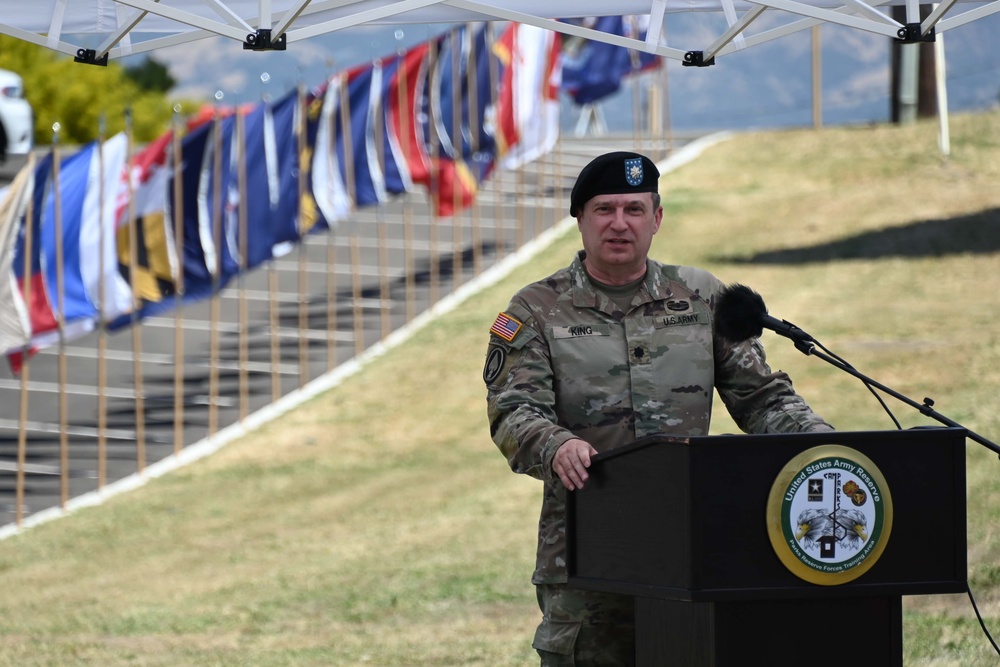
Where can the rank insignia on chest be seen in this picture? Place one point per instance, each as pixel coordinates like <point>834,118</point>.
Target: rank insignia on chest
<point>506,327</point>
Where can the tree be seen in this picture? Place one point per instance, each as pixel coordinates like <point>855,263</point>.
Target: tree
<point>151,75</point>
<point>76,95</point>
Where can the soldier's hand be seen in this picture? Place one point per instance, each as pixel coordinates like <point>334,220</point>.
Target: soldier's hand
<point>571,462</point>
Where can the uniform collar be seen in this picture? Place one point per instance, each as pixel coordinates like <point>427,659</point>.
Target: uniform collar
<point>585,294</point>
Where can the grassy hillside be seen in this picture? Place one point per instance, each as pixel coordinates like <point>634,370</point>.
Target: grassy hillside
<point>378,524</point>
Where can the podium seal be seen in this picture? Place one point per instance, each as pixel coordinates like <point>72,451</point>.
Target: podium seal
<point>829,515</point>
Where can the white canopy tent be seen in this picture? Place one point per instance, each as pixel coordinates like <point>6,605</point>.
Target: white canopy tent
<point>95,30</point>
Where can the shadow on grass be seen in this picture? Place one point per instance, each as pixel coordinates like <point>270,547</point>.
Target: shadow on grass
<point>976,234</point>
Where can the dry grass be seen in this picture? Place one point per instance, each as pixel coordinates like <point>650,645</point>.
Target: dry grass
<point>378,524</point>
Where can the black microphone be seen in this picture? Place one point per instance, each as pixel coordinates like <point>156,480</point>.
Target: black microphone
<point>740,314</point>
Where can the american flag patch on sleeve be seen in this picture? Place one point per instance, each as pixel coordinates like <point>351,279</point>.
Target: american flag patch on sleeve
<point>506,327</point>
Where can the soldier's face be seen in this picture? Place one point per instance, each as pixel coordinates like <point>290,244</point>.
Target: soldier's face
<point>617,231</point>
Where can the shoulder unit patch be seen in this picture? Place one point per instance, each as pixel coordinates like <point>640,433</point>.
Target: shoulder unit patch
<point>495,360</point>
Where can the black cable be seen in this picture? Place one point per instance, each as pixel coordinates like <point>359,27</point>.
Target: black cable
<point>870,388</point>
<point>982,623</point>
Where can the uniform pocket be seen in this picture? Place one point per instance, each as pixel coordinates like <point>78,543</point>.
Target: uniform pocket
<point>556,637</point>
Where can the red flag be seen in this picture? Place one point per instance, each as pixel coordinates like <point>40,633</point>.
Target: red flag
<point>40,312</point>
<point>456,186</point>
<point>401,110</point>
<point>506,132</point>
<point>411,109</point>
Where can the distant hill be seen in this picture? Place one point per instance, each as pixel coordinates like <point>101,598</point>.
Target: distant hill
<point>768,85</point>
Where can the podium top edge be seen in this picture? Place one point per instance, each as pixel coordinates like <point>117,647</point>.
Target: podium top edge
<point>812,438</point>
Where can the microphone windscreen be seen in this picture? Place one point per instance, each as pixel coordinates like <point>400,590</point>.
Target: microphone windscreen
<point>739,313</point>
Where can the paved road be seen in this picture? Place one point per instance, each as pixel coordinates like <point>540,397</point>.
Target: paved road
<point>266,334</point>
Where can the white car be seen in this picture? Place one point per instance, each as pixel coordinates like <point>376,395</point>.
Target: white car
<point>16,119</point>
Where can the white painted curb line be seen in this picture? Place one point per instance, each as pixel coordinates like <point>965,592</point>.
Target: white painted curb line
<point>297,397</point>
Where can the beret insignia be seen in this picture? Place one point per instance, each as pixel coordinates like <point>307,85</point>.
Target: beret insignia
<point>633,171</point>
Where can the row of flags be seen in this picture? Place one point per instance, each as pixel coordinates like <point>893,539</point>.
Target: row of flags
<point>107,237</point>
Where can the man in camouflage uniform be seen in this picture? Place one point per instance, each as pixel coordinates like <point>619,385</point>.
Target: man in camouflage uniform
<point>609,350</point>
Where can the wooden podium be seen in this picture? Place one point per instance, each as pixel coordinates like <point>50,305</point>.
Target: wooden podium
<point>682,524</point>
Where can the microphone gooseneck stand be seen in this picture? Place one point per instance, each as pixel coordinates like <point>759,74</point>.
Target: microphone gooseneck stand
<point>807,345</point>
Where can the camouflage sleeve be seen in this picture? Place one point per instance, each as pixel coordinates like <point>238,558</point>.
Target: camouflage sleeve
<point>759,399</point>
<point>521,397</point>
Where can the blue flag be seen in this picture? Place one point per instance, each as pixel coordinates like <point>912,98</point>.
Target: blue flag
<point>200,262</point>
<point>74,174</point>
<point>593,70</point>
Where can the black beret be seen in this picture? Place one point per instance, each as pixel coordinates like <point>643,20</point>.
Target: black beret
<point>614,174</point>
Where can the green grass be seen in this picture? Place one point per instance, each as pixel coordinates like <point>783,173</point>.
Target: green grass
<point>378,525</point>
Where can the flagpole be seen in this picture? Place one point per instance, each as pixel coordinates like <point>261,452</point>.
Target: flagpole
<point>535,179</point>
<point>474,126</point>
<point>61,323</point>
<point>359,329</point>
<point>215,305</point>
<point>403,104</point>
<point>548,212</point>
<point>380,225</point>
<point>102,341</point>
<point>383,272</point>
<point>273,320</point>
<point>133,253</point>
<point>519,232</point>
<point>520,215</point>
<point>653,117</point>
<point>178,286</point>
<point>331,256</point>
<point>668,121</point>
<point>630,27</point>
<point>941,87</point>
<point>331,300</point>
<point>499,223</point>
<point>557,189</point>
<point>22,432</point>
<point>244,352</point>
<point>352,189</point>
<point>303,246</point>
<point>435,180</point>
<point>637,125</point>
<point>458,37</point>
<point>539,185</point>
<point>273,333</point>
<point>345,124</point>
<point>817,79</point>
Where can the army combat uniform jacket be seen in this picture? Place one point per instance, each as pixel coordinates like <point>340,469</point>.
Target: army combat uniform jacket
<point>565,362</point>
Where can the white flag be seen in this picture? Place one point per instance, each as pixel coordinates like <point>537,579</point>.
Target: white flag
<point>15,327</point>
<point>537,74</point>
